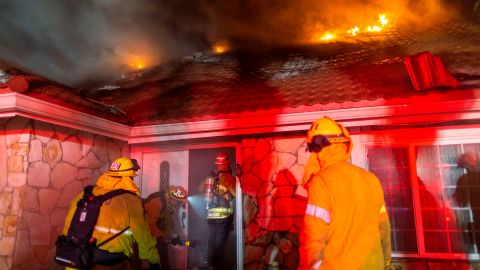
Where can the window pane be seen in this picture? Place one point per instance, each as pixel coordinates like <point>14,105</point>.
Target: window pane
<point>404,241</point>
<point>401,178</point>
<point>462,242</point>
<point>452,174</point>
<point>463,218</point>
<point>450,154</point>
<point>377,158</point>
<point>447,205</point>
<point>426,156</point>
<point>427,200</point>
<point>435,242</point>
<point>391,166</point>
<point>433,219</point>
<point>428,176</point>
<point>471,148</point>
<point>402,218</point>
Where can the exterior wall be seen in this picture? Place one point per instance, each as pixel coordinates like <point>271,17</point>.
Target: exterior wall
<point>273,200</point>
<point>273,205</point>
<point>42,166</point>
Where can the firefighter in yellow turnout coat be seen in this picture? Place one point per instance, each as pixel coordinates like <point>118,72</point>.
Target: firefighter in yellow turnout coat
<point>346,225</point>
<point>120,212</point>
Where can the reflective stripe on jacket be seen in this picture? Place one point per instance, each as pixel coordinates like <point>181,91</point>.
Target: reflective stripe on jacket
<point>222,205</point>
<point>219,212</point>
<point>345,224</point>
<point>115,215</point>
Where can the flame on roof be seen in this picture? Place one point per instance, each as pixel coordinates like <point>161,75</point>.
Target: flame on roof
<point>333,35</point>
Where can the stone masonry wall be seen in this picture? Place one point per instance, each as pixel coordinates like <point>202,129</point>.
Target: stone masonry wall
<point>273,200</point>
<point>42,167</point>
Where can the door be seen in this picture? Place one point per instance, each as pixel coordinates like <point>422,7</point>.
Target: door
<point>201,164</point>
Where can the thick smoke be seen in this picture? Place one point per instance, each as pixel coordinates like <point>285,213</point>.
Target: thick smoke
<point>80,42</point>
<point>77,42</point>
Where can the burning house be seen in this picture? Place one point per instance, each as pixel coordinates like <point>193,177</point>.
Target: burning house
<point>409,96</point>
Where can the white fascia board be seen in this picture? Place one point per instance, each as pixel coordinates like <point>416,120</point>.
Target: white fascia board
<point>12,104</point>
<point>417,113</point>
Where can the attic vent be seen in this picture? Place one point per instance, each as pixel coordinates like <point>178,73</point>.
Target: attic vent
<point>427,71</point>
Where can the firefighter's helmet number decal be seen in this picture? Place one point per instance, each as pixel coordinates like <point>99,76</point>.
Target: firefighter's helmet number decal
<point>115,166</point>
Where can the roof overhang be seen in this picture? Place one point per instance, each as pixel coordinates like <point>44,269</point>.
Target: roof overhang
<point>12,104</point>
<point>405,114</point>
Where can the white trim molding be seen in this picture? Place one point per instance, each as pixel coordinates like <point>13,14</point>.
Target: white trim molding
<point>418,113</point>
<point>14,104</point>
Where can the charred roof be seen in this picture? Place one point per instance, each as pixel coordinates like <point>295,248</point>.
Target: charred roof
<point>306,78</point>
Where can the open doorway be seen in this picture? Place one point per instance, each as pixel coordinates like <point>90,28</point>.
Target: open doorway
<point>201,165</point>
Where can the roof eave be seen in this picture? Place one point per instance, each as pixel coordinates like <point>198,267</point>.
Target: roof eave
<point>14,104</point>
<point>403,114</point>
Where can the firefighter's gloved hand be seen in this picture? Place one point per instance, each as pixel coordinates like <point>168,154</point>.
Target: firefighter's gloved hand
<point>154,266</point>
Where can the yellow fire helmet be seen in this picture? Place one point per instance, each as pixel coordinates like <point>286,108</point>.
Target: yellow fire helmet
<point>333,131</point>
<point>123,167</point>
<point>178,193</point>
<point>325,131</point>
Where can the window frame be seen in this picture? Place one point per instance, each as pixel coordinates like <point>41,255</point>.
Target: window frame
<point>411,138</point>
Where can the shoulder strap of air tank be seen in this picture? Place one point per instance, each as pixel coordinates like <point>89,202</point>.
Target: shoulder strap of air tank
<point>111,194</point>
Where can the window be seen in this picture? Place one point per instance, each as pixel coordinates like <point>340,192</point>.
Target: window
<point>391,166</point>
<point>433,204</point>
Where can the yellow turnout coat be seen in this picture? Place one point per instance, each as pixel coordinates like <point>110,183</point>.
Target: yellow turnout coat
<point>346,225</point>
<point>115,215</point>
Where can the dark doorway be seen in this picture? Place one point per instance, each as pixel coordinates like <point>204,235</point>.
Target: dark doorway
<point>201,164</point>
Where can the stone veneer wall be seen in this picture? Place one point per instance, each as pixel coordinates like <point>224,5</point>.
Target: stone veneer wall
<point>273,210</point>
<point>42,166</point>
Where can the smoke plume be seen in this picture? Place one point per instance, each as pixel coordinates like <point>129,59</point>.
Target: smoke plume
<point>80,42</point>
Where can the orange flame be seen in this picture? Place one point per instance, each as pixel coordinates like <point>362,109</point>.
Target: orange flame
<point>220,47</point>
<point>354,31</point>
<point>323,37</point>
<point>329,36</point>
<point>382,19</point>
<point>136,62</point>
